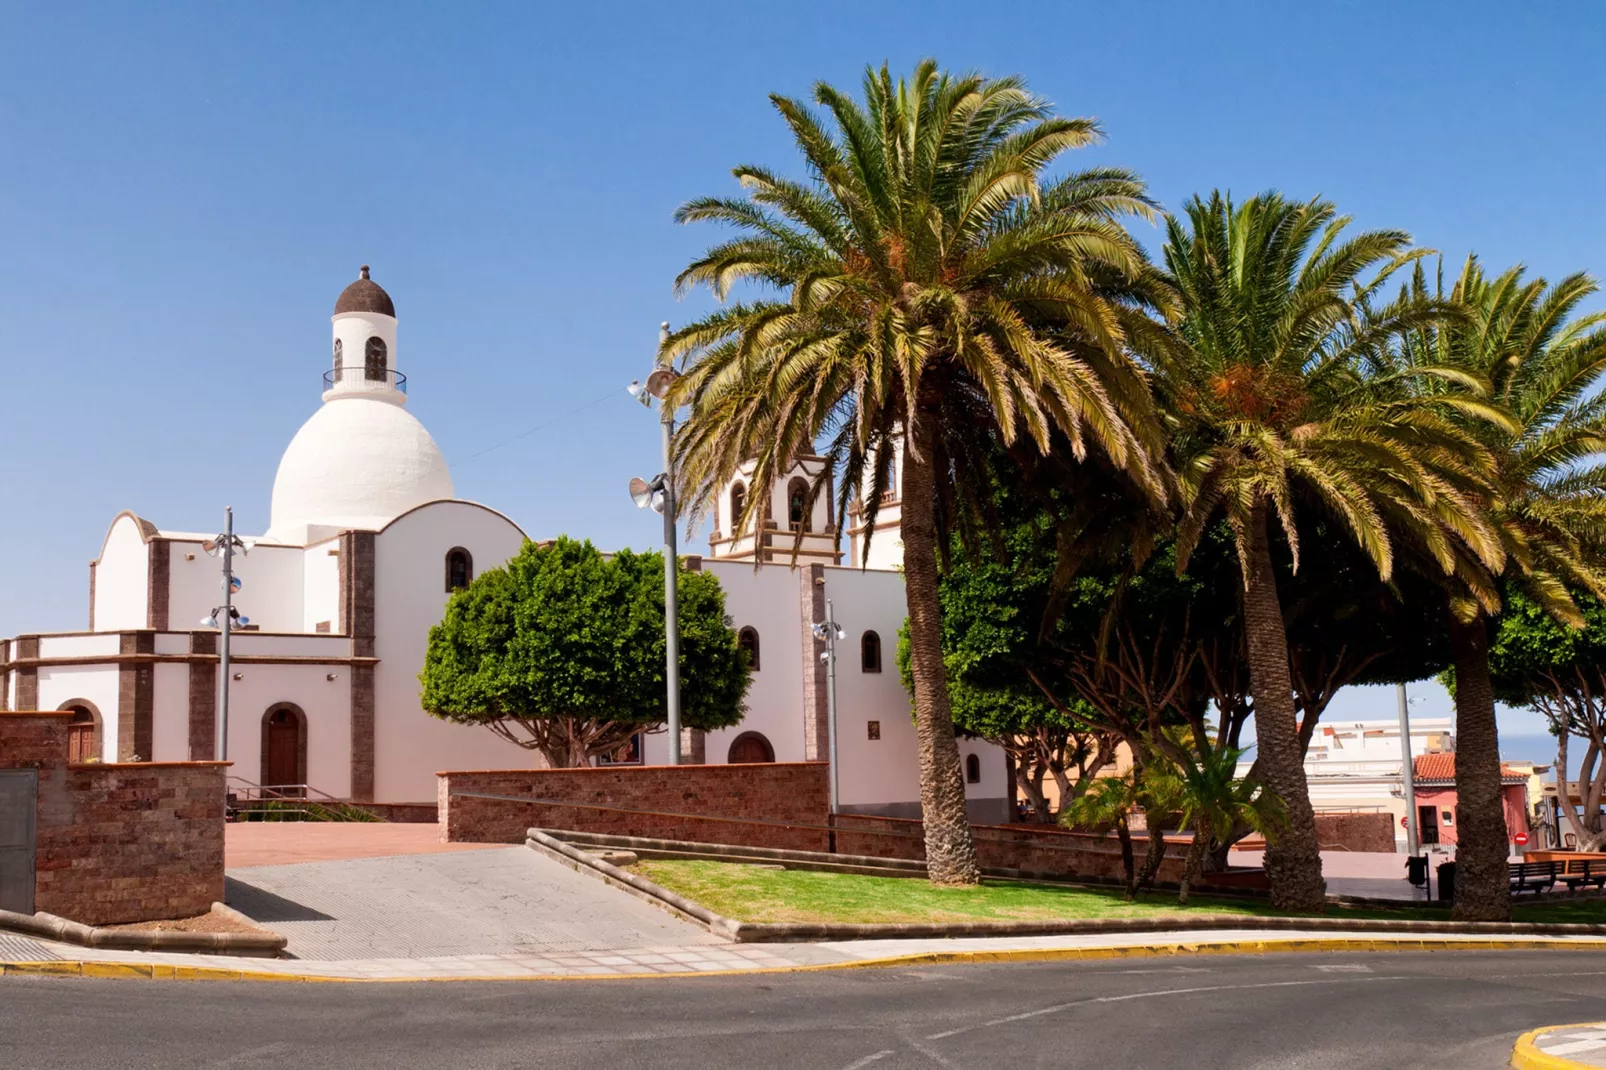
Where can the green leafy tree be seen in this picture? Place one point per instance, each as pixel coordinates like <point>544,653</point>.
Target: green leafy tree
<point>1273,406</point>
<point>561,650</point>
<point>937,295</point>
<point>1542,363</point>
<point>1539,663</point>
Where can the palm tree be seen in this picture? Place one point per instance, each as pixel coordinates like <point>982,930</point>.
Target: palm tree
<point>938,297</point>
<point>1544,368</point>
<point>1275,403</point>
<point>1212,802</point>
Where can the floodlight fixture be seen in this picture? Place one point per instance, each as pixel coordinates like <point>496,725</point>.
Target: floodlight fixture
<point>209,622</point>
<point>659,382</point>
<point>648,495</point>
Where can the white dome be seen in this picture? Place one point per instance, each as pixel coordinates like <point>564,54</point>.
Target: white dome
<point>359,462</point>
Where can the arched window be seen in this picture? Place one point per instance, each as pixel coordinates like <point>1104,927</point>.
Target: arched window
<point>738,506</point>
<point>459,569</point>
<point>340,359</point>
<point>750,748</point>
<point>83,731</point>
<point>797,504</point>
<point>284,749</point>
<point>972,769</point>
<point>747,639</point>
<point>870,652</point>
<point>374,360</point>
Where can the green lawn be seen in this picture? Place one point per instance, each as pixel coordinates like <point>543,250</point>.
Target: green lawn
<point>759,894</point>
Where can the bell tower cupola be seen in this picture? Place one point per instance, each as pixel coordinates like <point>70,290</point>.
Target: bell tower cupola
<point>364,362</point>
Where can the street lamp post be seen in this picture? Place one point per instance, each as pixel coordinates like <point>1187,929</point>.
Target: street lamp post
<point>223,618</point>
<point>830,631</point>
<point>1407,772</point>
<point>659,495</point>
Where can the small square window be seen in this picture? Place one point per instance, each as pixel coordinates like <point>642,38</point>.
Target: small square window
<point>875,729</point>
<point>1446,817</point>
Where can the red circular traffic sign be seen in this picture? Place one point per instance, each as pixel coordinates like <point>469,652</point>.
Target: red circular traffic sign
<point>1405,822</point>
<point>1522,839</point>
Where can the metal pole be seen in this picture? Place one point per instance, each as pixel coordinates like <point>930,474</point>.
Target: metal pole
<point>1406,774</point>
<point>671,575</point>
<point>830,693</point>
<point>223,650</point>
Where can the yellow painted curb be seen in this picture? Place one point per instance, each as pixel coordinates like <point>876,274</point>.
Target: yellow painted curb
<point>161,972</point>
<point>1527,1056</point>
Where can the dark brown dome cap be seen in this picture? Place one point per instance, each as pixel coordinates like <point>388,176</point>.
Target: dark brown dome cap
<point>365,295</point>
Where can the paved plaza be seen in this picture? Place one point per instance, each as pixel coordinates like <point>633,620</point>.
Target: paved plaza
<point>501,901</point>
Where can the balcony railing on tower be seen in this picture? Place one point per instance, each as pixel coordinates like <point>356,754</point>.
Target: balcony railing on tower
<point>371,378</point>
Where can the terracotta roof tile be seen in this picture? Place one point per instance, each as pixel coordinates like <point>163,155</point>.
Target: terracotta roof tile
<point>1441,767</point>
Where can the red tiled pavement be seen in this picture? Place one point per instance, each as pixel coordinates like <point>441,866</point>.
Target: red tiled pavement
<point>257,843</point>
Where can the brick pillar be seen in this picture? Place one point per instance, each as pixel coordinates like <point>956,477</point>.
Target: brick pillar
<point>203,698</point>
<point>816,711</point>
<point>92,569</point>
<point>357,618</point>
<point>693,746</point>
<point>136,697</point>
<point>27,675</point>
<point>158,575</point>
<point>5,674</point>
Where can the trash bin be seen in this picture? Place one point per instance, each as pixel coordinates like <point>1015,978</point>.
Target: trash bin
<point>1447,882</point>
<point>1416,870</point>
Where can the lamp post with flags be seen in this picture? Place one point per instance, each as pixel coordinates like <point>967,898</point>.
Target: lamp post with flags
<point>658,494</point>
<point>224,618</point>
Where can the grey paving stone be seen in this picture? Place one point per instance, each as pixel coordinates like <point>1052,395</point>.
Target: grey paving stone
<point>496,902</point>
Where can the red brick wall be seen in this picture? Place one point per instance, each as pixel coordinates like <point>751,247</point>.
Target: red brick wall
<point>784,792</point>
<point>1356,832</point>
<point>1037,850</point>
<point>120,842</point>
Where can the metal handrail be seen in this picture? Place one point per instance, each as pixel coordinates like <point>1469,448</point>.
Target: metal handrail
<point>357,373</point>
<point>254,792</point>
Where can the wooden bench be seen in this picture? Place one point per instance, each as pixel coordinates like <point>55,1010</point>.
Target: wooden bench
<point>1531,876</point>
<point>1583,873</point>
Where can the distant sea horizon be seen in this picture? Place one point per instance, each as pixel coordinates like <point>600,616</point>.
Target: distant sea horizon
<point>1540,748</point>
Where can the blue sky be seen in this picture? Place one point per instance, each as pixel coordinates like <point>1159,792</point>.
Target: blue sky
<point>186,187</point>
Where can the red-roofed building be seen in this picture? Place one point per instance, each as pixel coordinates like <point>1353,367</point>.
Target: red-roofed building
<point>1434,778</point>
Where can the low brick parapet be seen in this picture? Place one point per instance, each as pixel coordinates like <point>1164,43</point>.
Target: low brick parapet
<point>684,802</point>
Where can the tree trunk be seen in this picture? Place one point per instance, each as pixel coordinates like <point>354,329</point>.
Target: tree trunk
<point>1155,854</point>
<point>1031,785</point>
<point>1482,840</point>
<point>1190,869</point>
<point>1293,859</point>
<point>1129,869</point>
<point>950,852</point>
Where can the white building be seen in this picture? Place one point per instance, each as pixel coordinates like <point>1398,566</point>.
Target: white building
<point>365,544</point>
<point>1356,766</point>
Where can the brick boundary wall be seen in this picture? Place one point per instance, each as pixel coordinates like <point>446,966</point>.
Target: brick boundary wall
<point>1347,831</point>
<point>1036,850</point>
<point>118,842</point>
<point>779,791</point>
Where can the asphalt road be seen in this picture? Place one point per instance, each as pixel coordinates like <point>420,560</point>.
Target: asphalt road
<point>1446,1009</point>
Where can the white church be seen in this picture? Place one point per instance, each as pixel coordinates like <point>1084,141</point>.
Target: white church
<point>366,542</point>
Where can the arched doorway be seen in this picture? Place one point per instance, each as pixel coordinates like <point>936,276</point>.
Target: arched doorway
<point>83,731</point>
<point>284,747</point>
<point>750,748</point>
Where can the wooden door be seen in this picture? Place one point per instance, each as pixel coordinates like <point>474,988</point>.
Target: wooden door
<point>81,737</point>
<point>749,749</point>
<point>284,749</point>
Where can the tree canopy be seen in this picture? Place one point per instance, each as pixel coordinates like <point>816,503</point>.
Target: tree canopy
<point>561,650</point>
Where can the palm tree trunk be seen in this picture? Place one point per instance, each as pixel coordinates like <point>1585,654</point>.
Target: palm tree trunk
<point>1293,858</point>
<point>1129,869</point>
<point>1190,869</point>
<point>950,852</point>
<point>1482,843</point>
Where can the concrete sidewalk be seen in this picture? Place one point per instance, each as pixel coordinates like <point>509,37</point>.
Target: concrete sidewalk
<point>33,956</point>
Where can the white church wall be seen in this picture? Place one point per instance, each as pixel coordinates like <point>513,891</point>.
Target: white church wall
<point>60,684</point>
<point>884,775</point>
<point>122,578</point>
<point>320,601</point>
<point>78,646</point>
<point>326,703</point>
<point>409,597</point>
<point>170,713</point>
<point>289,646</point>
<point>172,642</point>
<point>767,601</point>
